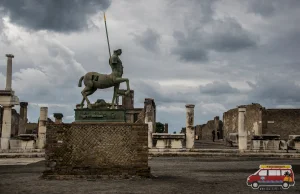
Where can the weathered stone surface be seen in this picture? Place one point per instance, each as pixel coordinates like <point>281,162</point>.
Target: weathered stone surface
<point>107,115</point>
<point>283,122</point>
<point>96,149</point>
<point>259,120</point>
<point>252,120</point>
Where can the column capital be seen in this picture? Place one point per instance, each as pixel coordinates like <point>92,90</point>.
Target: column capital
<point>58,115</point>
<point>23,104</point>
<point>10,55</point>
<point>190,106</point>
<point>242,109</point>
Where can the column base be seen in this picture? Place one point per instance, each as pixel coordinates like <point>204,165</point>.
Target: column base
<point>4,143</point>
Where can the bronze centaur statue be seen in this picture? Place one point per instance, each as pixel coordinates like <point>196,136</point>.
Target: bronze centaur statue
<point>94,80</point>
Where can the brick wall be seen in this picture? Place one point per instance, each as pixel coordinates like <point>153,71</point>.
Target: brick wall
<point>284,122</point>
<point>96,150</point>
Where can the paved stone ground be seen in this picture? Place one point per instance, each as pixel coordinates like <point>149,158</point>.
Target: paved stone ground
<point>173,175</point>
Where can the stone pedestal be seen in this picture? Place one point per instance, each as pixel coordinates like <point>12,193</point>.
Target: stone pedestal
<point>101,115</point>
<point>242,133</point>
<point>42,128</point>
<point>21,144</point>
<point>190,131</point>
<point>96,150</point>
<point>165,140</point>
<point>6,127</point>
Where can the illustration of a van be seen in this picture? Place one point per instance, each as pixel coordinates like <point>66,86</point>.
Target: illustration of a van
<point>272,175</point>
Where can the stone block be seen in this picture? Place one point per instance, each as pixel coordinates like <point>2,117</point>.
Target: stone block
<point>21,144</point>
<point>105,115</point>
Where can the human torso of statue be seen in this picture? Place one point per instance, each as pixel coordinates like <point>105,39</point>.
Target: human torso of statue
<point>116,66</point>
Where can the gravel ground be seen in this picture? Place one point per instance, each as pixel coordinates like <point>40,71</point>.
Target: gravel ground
<point>173,175</point>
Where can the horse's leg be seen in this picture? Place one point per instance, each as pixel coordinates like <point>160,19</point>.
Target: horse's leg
<point>120,80</point>
<point>116,88</point>
<point>84,93</point>
<point>87,94</point>
<point>117,94</point>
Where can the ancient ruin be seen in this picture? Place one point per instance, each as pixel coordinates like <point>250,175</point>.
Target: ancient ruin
<point>100,142</point>
<point>7,101</point>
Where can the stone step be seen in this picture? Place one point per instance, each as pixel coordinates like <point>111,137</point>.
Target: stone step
<point>23,155</point>
<point>207,155</point>
<point>22,150</point>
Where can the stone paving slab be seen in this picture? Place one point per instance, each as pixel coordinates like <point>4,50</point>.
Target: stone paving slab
<point>172,175</point>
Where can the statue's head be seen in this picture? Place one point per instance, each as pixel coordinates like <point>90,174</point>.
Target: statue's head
<point>118,52</point>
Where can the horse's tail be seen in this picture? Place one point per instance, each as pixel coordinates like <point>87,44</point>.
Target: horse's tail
<point>80,81</point>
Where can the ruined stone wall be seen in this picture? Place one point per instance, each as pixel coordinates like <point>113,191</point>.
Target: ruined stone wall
<point>283,122</point>
<point>230,122</point>
<point>198,131</point>
<point>252,120</point>
<point>96,149</point>
<point>207,130</point>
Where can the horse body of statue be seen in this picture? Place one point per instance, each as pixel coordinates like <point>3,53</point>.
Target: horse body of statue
<point>94,80</point>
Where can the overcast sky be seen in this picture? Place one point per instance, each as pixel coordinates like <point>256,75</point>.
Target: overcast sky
<point>216,54</point>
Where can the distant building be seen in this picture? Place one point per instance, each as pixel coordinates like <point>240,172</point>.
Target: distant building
<point>259,120</point>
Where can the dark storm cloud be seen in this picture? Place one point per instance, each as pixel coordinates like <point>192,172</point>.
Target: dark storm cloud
<point>149,39</point>
<point>268,8</point>
<point>54,15</point>
<point>225,36</point>
<point>218,88</point>
<point>275,89</point>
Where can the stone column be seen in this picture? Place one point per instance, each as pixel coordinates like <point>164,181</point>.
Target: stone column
<point>23,115</point>
<point>9,71</point>
<point>23,110</point>
<point>6,127</point>
<point>166,128</point>
<point>260,122</point>
<point>149,119</point>
<point>241,128</point>
<point>42,127</point>
<point>58,117</point>
<point>128,101</point>
<point>190,130</point>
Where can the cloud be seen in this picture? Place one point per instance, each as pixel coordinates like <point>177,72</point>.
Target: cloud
<point>208,52</point>
<point>225,35</point>
<point>54,15</point>
<point>277,89</point>
<point>218,88</point>
<point>149,40</point>
<point>267,8</point>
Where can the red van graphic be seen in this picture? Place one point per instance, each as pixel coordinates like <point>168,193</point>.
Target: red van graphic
<point>272,175</point>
